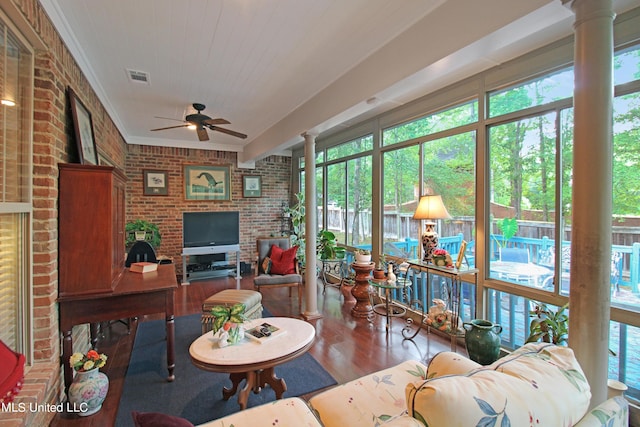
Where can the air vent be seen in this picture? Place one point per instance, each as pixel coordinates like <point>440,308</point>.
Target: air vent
<point>138,76</point>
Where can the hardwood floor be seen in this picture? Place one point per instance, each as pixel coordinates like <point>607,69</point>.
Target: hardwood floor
<point>347,347</point>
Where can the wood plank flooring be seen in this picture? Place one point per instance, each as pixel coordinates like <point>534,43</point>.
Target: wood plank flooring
<point>347,347</point>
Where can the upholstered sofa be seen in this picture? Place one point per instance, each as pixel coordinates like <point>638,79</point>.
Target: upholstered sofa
<point>537,385</point>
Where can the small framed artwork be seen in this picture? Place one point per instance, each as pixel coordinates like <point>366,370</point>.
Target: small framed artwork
<point>156,182</point>
<point>251,186</point>
<point>83,127</point>
<point>463,249</point>
<point>207,182</point>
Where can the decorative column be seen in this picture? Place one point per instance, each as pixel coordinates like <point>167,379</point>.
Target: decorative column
<point>361,290</point>
<point>310,231</point>
<point>590,296</point>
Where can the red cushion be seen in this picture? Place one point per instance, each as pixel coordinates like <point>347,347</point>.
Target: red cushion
<point>283,262</point>
<point>11,373</point>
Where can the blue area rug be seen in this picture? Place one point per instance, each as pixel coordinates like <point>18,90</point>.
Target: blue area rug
<point>196,394</point>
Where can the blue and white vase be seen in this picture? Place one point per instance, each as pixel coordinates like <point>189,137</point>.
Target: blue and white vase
<point>87,392</point>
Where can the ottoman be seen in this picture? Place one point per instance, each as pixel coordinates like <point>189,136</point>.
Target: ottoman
<point>228,297</point>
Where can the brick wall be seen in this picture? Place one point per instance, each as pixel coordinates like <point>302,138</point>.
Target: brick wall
<point>258,216</point>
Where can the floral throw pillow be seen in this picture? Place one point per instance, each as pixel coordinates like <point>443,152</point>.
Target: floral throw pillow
<point>538,385</point>
<point>266,265</point>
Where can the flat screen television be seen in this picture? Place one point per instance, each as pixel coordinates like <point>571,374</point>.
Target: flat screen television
<point>210,229</point>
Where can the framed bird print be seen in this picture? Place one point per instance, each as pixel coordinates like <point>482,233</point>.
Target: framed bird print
<point>251,186</point>
<point>155,182</point>
<point>207,182</point>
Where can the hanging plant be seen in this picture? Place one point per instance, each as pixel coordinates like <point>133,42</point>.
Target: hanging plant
<point>152,233</point>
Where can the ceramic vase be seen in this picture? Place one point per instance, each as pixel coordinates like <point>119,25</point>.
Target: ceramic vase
<point>87,391</point>
<point>346,292</point>
<point>236,334</point>
<point>391,276</point>
<point>482,340</point>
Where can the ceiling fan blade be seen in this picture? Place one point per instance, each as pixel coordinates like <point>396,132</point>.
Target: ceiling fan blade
<point>229,132</point>
<point>171,127</point>
<point>202,134</point>
<point>218,121</point>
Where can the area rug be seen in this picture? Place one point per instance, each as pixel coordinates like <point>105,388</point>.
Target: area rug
<point>196,394</point>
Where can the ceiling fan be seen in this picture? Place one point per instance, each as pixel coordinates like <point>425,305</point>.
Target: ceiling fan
<point>202,121</point>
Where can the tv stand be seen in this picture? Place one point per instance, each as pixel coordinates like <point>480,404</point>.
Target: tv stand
<point>207,250</point>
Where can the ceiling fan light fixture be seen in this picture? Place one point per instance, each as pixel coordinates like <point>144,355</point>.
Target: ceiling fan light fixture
<point>192,126</point>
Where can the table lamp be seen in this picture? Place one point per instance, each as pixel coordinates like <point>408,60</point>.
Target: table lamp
<point>429,208</point>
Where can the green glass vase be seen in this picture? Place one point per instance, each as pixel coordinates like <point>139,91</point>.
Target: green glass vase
<point>482,339</point>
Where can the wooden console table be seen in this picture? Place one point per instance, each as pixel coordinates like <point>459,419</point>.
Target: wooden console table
<point>453,290</point>
<point>134,295</point>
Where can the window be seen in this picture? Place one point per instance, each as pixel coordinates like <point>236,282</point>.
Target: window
<point>15,190</point>
<point>541,91</point>
<point>522,190</point>
<point>523,176</point>
<point>443,120</point>
<point>349,201</point>
<point>401,187</point>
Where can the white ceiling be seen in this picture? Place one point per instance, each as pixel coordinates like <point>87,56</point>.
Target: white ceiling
<point>278,68</point>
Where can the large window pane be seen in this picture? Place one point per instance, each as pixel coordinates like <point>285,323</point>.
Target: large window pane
<point>522,157</point>
<point>551,87</point>
<point>400,194</point>
<point>16,79</point>
<point>443,120</point>
<point>359,202</point>
<point>626,66</point>
<point>350,148</point>
<point>626,201</point>
<point>449,170</point>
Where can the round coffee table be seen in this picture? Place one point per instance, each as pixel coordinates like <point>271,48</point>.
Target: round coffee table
<point>254,361</point>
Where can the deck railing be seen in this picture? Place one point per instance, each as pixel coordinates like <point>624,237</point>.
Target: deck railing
<point>625,260</point>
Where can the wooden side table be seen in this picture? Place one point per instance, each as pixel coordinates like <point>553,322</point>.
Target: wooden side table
<point>362,289</point>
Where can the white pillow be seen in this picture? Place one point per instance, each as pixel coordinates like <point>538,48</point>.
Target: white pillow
<point>540,385</point>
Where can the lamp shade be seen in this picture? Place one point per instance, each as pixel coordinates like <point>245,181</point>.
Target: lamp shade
<point>431,207</point>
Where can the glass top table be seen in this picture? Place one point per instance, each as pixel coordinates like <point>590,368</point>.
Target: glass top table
<point>390,308</point>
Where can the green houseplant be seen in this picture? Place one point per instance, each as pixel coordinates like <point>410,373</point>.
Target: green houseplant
<point>298,216</point>
<point>151,232</point>
<point>327,247</point>
<point>548,325</point>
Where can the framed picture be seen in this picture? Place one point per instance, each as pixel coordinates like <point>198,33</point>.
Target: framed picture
<point>207,182</point>
<point>83,127</point>
<point>251,186</point>
<point>463,249</point>
<point>156,182</point>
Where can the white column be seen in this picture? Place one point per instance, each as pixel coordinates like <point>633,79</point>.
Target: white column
<point>590,298</point>
<point>310,310</point>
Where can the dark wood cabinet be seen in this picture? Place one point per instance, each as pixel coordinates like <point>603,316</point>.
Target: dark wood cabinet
<point>93,283</point>
<point>91,229</point>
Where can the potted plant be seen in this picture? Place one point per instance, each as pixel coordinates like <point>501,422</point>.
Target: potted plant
<point>363,256</point>
<point>141,229</point>
<point>297,215</point>
<point>328,246</point>
<point>379,271</point>
<point>548,325</point>
<point>227,323</point>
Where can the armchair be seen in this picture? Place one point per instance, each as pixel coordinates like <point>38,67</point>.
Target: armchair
<point>278,266</point>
